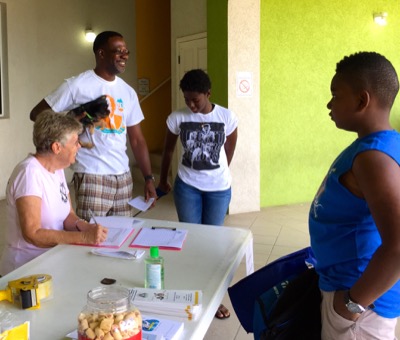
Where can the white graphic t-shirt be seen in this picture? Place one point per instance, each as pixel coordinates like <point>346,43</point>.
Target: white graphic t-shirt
<point>109,156</point>
<point>203,163</point>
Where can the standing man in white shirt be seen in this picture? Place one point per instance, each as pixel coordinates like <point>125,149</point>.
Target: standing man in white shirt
<point>102,177</point>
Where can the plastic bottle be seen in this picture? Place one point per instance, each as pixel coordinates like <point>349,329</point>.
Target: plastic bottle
<point>154,270</point>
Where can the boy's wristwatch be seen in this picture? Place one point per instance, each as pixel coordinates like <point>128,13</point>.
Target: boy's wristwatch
<point>354,307</point>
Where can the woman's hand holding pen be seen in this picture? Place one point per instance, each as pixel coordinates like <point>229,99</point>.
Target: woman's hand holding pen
<point>95,235</point>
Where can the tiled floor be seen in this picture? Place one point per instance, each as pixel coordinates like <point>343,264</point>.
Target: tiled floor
<point>277,231</point>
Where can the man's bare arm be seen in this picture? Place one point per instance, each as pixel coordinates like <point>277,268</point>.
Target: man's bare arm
<point>39,108</point>
<point>377,177</point>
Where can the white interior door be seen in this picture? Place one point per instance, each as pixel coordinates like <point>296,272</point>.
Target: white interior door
<point>191,53</point>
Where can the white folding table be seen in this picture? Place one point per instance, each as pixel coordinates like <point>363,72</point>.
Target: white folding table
<point>208,260</point>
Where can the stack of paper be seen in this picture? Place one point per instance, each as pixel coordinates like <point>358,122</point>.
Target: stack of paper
<point>119,254</point>
<point>181,303</point>
<point>154,328</point>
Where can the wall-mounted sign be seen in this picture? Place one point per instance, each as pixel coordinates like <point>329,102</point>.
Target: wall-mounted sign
<point>143,87</point>
<point>244,84</point>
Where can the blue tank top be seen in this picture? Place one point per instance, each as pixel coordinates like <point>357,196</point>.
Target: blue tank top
<point>343,233</point>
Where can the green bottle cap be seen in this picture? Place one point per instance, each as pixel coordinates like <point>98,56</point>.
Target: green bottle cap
<point>154,252</point>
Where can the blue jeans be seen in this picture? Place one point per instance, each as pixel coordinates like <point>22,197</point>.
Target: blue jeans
<point>201,207</point>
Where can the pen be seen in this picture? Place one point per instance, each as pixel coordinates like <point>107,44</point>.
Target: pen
<point>170,228</point>
<point>92,216</point>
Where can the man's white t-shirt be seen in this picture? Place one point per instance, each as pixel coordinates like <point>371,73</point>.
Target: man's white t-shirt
<point>203,163</point>
<point>30,178</point>
<point>109,156</point>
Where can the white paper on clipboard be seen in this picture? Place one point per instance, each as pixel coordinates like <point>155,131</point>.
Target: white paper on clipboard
<point>163,237</point>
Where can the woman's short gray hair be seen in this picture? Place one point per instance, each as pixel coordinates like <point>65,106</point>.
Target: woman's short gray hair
<point>51,127</point>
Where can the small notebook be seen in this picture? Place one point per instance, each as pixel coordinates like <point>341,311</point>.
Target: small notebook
<point>163,237</point>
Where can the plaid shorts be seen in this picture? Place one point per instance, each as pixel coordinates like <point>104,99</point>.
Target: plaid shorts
<point>105,195</point>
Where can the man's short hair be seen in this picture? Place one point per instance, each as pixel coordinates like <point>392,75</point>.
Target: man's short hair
<point>372,72</point>
<point>102,39</point>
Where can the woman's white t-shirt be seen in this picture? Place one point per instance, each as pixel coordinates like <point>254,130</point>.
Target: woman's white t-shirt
<point>30,178</point>
<point>203,163</point>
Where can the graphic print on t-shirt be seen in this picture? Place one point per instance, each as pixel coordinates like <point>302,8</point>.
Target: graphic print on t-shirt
<point>63,192</point>
<point>113,123</point>
<point>202,144</point>
<point>316,205</point>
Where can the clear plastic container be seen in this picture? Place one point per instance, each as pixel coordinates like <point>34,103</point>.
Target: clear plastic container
<point>108,315</point>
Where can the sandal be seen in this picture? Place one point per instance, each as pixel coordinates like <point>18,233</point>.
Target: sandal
<point>222,312</point>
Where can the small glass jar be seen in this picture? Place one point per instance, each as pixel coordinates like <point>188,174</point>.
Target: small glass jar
<point>108,315</point>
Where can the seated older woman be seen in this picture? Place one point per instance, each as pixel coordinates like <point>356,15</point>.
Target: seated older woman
<point>39,210</point>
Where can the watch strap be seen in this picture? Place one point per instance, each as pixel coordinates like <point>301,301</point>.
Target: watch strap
<point>149,178</point>
<point>355,307</point>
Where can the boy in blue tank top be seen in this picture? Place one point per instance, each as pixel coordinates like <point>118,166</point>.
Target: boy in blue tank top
<point>354,219</point>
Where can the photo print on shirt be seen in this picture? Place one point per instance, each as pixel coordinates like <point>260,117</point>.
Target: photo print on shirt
<point>202,144</point>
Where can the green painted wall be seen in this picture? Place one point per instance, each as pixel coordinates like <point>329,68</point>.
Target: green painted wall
<point>217,49</point>
<point>301,42</point>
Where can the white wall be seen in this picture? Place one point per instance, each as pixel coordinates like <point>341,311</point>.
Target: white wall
<point>244,56</point>
<point>46,45</point>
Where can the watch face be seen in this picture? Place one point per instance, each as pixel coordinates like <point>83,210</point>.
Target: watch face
<point>354,307</point>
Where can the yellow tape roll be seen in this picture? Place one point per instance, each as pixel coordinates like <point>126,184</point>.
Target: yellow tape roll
<point>45,289</point>
<point>30,290</point>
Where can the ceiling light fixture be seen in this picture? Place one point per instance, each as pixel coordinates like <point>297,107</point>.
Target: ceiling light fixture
<point>380,18</point>
<point>90,35</point>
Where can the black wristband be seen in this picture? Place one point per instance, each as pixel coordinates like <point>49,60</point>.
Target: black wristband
<point>149,177</point>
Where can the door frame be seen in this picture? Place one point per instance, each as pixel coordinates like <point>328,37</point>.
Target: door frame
<point>179,41</point>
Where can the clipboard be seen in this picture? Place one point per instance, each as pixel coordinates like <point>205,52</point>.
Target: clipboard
<point>163,237</point>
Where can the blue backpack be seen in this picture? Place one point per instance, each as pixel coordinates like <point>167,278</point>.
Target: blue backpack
<point>263,302</point>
